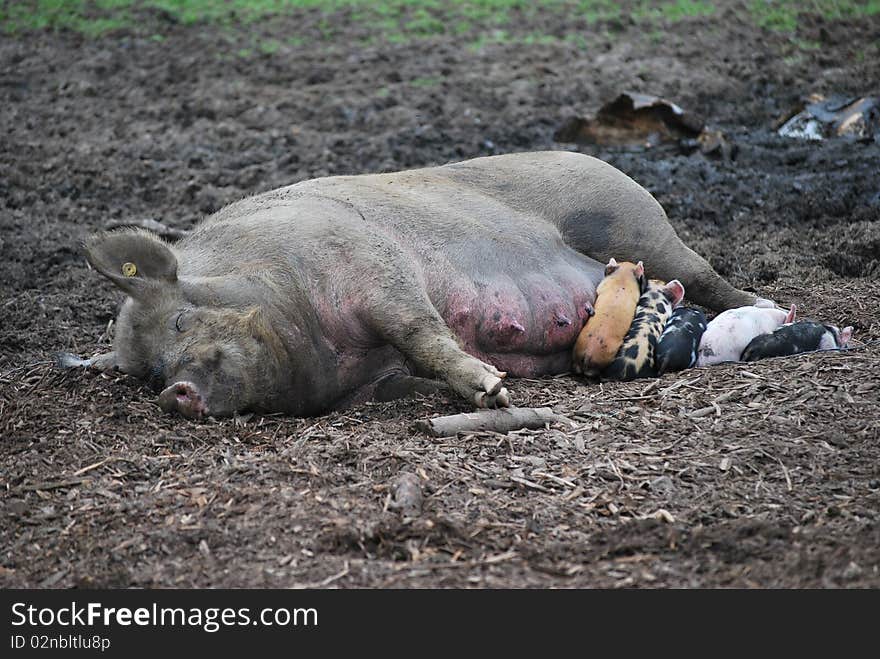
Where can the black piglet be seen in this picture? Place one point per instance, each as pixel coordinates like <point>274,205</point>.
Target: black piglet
<point>677,347</point>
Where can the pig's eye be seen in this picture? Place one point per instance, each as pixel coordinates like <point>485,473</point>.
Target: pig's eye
<point>155,376</point>
<point>183,320</point>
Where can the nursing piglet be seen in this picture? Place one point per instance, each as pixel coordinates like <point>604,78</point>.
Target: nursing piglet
<point>728,334</point>
<point>616,298</point>
<point>635,359</point>
<point>805,336</point>
<point>678,344</point>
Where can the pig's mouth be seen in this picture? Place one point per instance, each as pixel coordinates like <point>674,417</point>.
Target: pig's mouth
<point>184,397</point>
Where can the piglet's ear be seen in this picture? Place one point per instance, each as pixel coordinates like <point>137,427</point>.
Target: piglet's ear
<point>675,292</point>
<point>845,336</point>
<point>640,277</point>
<point>792,314</point>
<point>611,267</point>
<point>133,259</point>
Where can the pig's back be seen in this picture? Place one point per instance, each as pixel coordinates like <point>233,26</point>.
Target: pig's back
<point>466,211</point>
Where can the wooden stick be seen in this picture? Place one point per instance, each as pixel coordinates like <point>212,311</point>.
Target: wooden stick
<point>501,421</point>
<point>52,486</point>
<point>489,560</point>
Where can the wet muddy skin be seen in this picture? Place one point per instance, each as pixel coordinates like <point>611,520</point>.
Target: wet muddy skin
<point>763,474</point>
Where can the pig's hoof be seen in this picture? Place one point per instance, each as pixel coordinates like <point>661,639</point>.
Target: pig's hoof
<point>492,384</point>
<point>68,360</point>
<point>494,394</point>
<point>499,399</point>
<point>184,398</point>
<point>484,387</point>
<point>764,303</point>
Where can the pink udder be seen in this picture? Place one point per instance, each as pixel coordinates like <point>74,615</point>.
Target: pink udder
<point>526,329</point>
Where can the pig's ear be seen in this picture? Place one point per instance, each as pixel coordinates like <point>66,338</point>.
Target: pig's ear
<point>134,260</point>
<point>675,292</point>
<point>640,277</point>
<point>611,267</point>
<point>792,314</point>
<point>845,336</point>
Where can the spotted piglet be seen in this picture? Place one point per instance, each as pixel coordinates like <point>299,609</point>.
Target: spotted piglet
<point>805,336</point>
<point>635,359</point>
<point>678,344</point>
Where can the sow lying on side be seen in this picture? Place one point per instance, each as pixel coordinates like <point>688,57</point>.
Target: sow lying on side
<point>340,289</point>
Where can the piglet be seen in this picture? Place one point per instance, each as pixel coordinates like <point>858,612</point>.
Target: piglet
<point>678,344</point>
<point>616,299</point>
<point>636,356</point>
<point>728,334</point>
<point>805,336</point>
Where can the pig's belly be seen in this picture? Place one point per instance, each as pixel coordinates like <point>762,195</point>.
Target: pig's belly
<point>525,325</point>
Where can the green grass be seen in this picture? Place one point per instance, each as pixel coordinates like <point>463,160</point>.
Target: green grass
<point>673,11</point>
<point>427,81</point>
<point>399,21</point>
<point>269,46</point>
<point>783,15</point>
<point>806,44</point>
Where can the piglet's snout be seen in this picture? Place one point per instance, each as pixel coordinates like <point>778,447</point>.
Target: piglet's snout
<point>183,397</point>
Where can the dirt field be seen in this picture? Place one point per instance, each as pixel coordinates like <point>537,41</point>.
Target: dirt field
<point>759,475</point>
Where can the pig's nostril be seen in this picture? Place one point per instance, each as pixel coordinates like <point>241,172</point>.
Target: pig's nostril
<point>183,397</point>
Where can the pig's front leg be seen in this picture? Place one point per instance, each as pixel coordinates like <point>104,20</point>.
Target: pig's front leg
<point>477,381</point>
<point>423,337</point>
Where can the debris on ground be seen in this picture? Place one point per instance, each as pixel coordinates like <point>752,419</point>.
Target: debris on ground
<point>819,118</point>
<point>642,120</point>
<point>406,495</point>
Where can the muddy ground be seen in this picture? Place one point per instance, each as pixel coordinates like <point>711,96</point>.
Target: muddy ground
<point>764,475</point>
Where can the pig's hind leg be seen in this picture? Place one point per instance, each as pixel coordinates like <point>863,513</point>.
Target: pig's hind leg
<point>392,386</point>
<point>635,228</point>
<point>104,362</point>
<point>400,385</point>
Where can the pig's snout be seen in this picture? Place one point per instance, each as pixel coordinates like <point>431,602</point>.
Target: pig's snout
<point>183,397</point>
